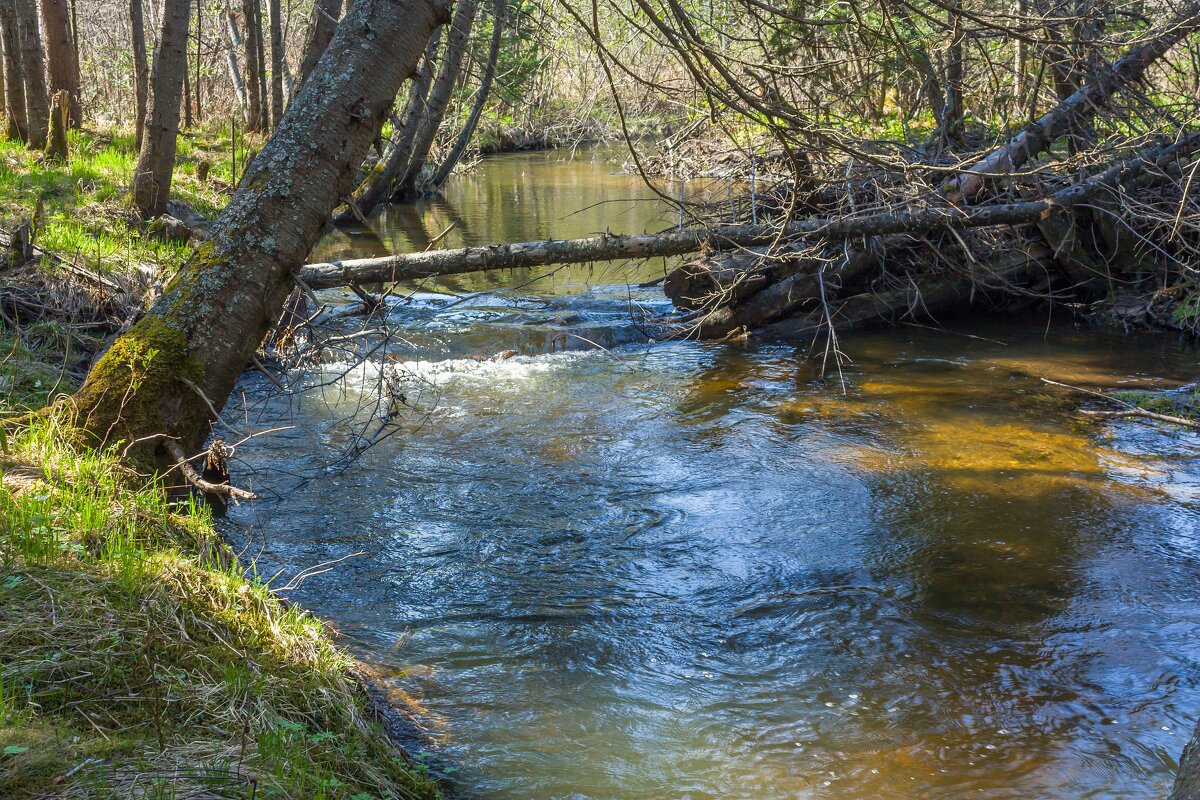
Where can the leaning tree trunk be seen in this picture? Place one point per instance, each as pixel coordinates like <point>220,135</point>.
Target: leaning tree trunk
<point>439,96</point>
<point>481,97</point>
<point>1076,109</point>
<point>17,126</point>
<point>60,54</point>
<point>325,14</point>
<point>377,186</point>
<point>156,159</point>
<point>141,70</point>
<point>277,64</point>
<point>33,69</point>
<point>156,382</point>
<point>253,83</point>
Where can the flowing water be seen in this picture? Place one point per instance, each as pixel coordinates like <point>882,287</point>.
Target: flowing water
<point>686,570</point>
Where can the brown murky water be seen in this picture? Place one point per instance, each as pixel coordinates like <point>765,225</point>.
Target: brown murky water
<point>692,570</point>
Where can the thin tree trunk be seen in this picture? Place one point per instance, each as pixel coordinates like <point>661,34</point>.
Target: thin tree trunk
<point>156,159</point>
<point>253,84</point>
<point>260,73</point>
<point>481,97</point>
<point>1020,57</point>
<point>141,70</point>
<point>61,54</point>
<point>187,93</point>
<point>277,63</point>
<point>76,122</point>
<point>951,121</point>
<point>233,45</point>
<point>188,350</point>
<point>199,54</point>
<point>3,86</point>
<point>33,69</point>
<point>439,96</point>
<point>16,124</point>
<point>377,186</point>
<point>321,27</point>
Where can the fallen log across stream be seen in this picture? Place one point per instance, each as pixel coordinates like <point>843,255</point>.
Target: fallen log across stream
<point>611,247</point>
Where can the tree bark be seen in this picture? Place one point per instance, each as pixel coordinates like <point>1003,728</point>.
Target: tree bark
<point>439,96</point>
<point>950,122</point>
<point>186,105</point>
<point>277,63</point>
<point>1187,780</point>
<point>60,54</point>
<point>156,159</point>
<point>16,124</point>
<point>33,70</point>
<point>481,97</point>
<point>199,53</point>
<point>1076,109</point>
<point>323,23</point>
<point>253,64</point>
<point>141,70</point>
<point>188,350</point>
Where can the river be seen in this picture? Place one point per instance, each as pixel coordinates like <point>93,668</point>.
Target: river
<point>605,568</point>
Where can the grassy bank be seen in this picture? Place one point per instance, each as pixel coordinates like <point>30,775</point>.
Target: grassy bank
<point>137,658</point>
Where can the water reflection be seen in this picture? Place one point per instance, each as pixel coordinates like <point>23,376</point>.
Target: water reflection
<point>686,570</point>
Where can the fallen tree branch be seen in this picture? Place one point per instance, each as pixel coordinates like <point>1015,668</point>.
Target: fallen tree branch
<point>1141,412</point>
<point>194,478</point>
<point>1129,410</point>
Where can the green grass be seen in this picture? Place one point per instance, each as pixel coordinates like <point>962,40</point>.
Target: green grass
<point>134,651</point>
<point>86,216</point>
<point>1184,404</point>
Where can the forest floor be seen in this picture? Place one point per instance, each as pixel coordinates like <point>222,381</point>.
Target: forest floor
<point>138,656</point>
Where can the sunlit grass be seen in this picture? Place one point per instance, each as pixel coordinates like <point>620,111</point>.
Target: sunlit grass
<point>85,213</point>
<point>132,643</point>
